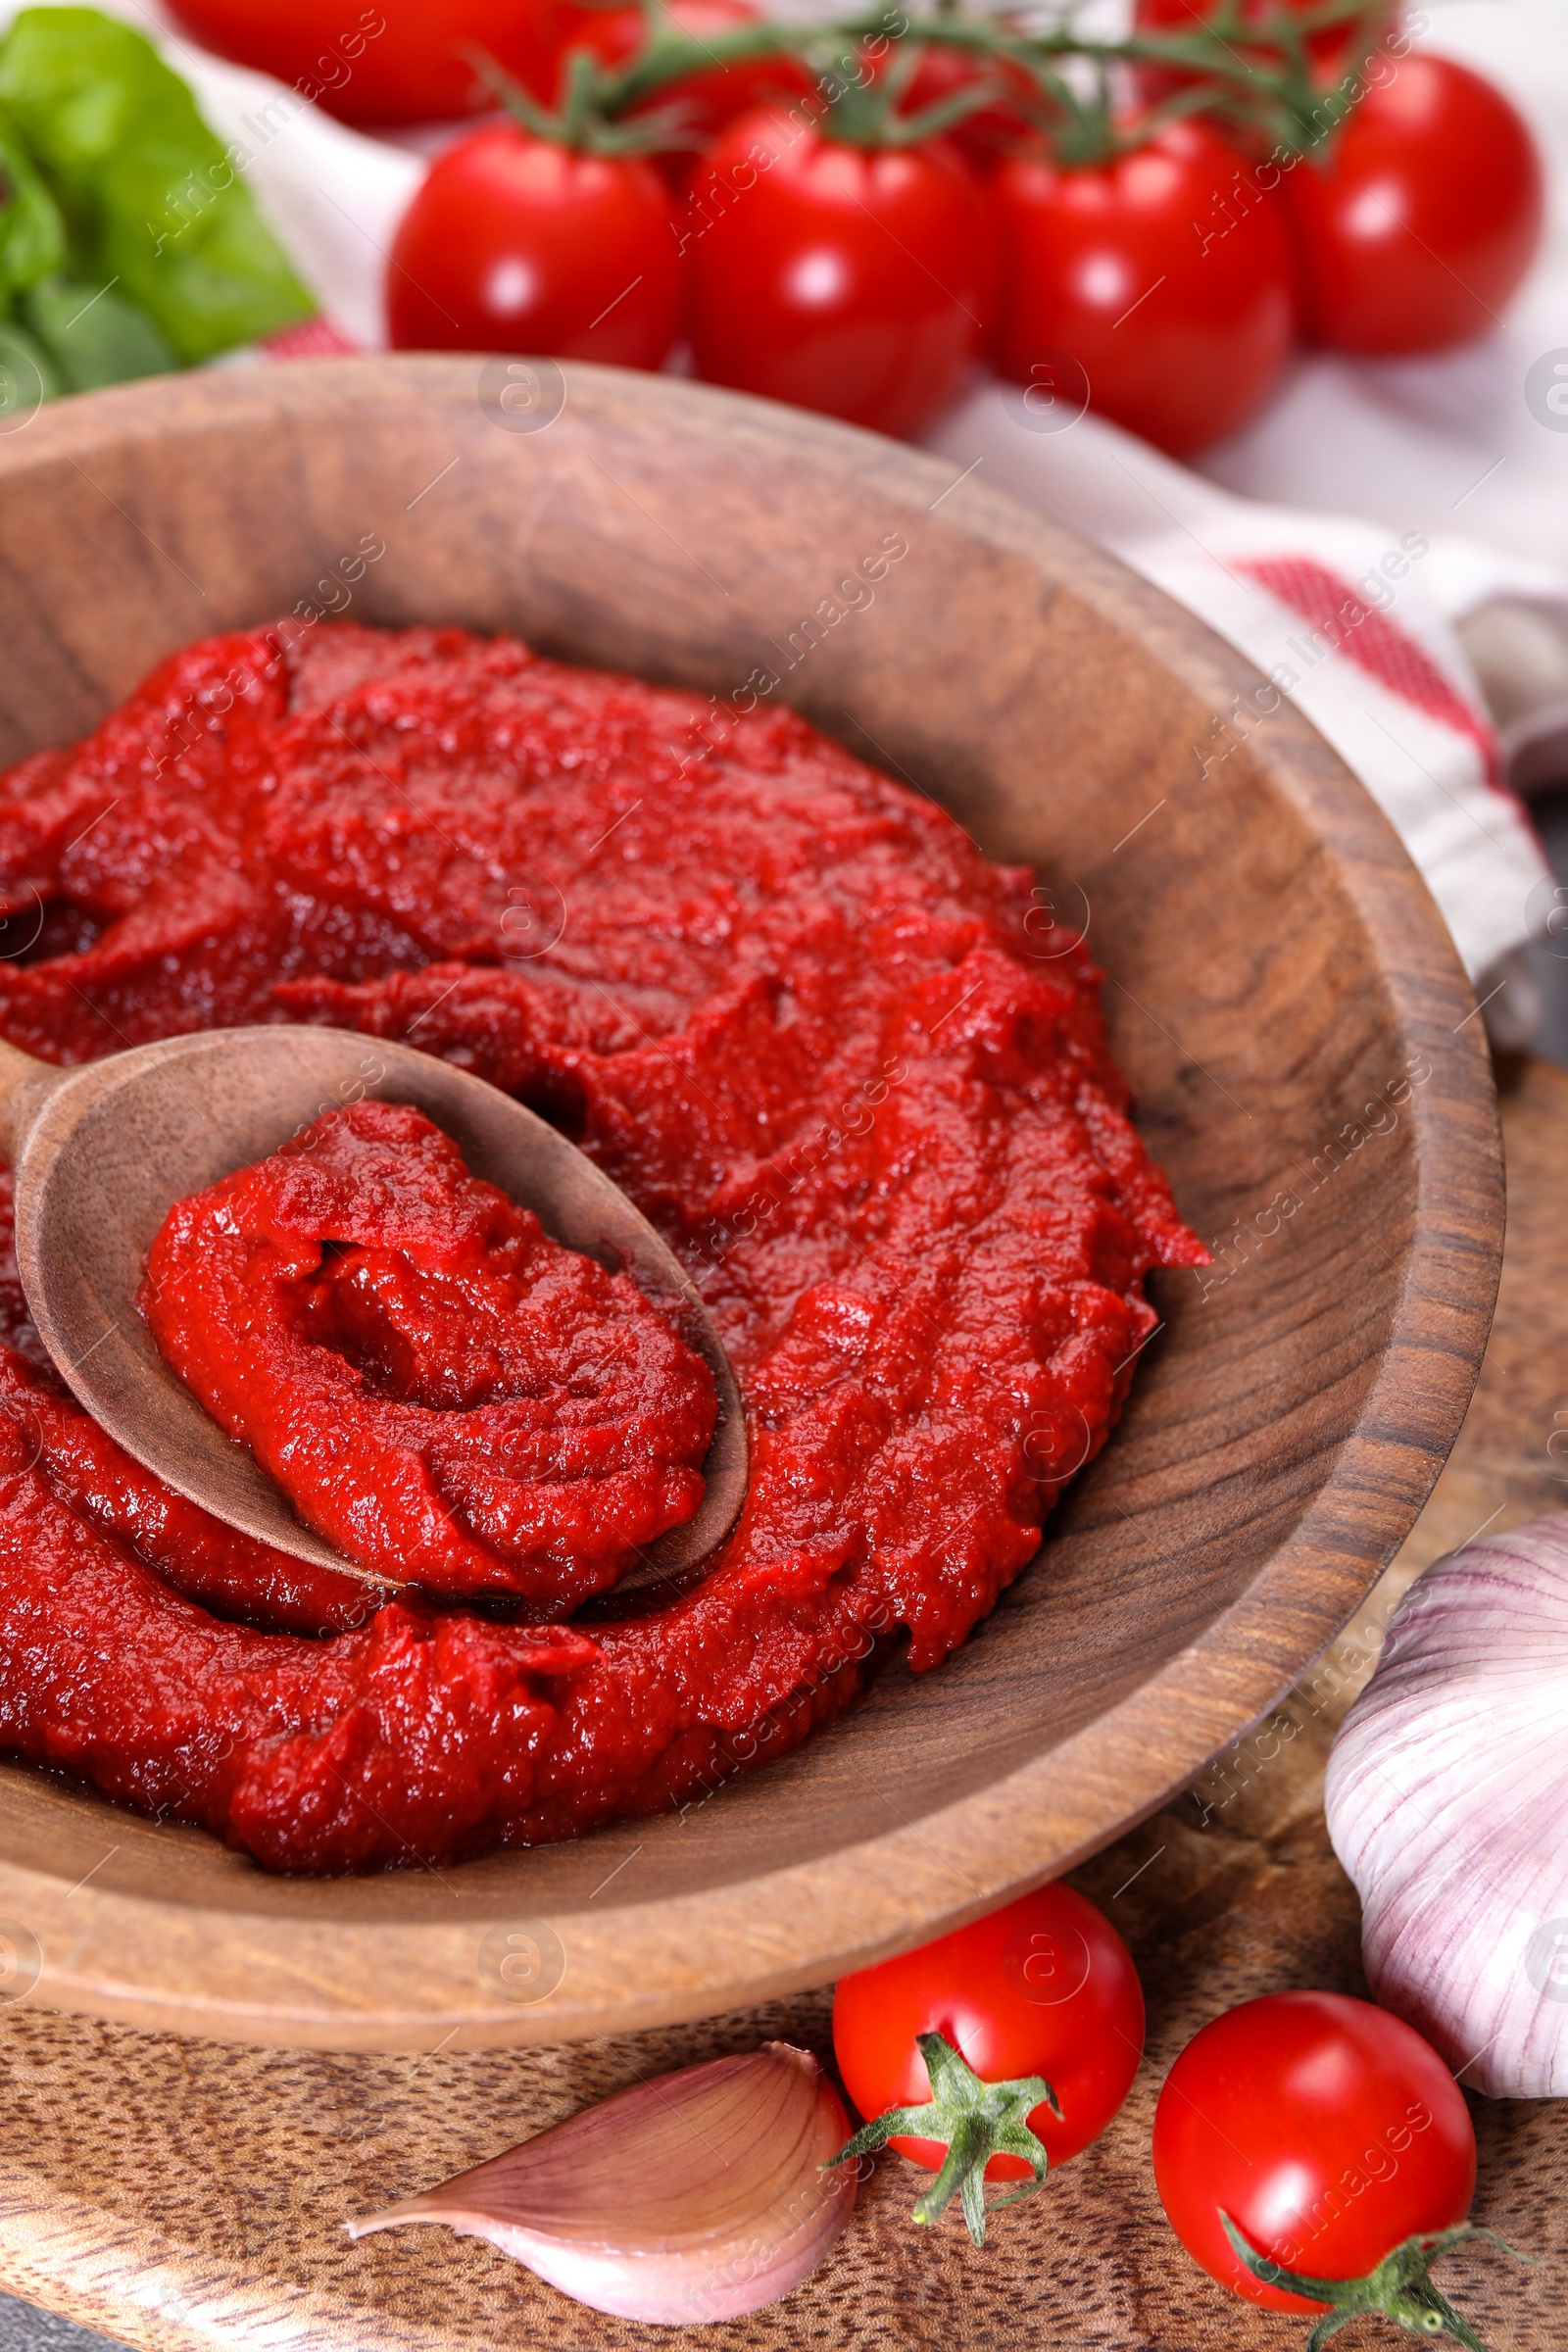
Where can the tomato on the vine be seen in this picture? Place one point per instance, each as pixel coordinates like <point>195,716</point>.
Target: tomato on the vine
<point>400,60</point>
<point>856,281</point>
<point>1425,217</point>
<point>515,243</point>
<point>1327,2130</point>
<point>1163,274</point>
<point>1043,1987</point>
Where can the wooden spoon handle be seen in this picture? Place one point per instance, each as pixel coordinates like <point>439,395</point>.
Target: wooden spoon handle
<point>25,1083</point>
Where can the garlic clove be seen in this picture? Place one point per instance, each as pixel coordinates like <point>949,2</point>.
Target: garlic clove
<point>1446,1792</point>
<point>690,2197</point>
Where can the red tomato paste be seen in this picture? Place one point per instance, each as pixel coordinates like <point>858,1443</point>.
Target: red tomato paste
<point>786,1003</point>
<point>446,1394</point>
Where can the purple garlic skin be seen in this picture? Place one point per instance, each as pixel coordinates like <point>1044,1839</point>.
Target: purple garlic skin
<point>697,2196</point>
<point>1447,1805</point>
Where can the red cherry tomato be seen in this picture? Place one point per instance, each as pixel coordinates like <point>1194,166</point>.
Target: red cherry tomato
<point>847,280</point>
<point>1171,291</point>
<point>413,70</point>
<point>710,99</point>
<point>513,244</point>
<point>1045,1987</point>
<point>1426,217</point>
<point>1326,2129</point>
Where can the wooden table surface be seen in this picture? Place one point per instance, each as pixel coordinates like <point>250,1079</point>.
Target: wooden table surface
<point>181,2194</point>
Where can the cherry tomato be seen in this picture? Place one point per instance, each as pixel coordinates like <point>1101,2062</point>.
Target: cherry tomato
<point>1426,217</point>
<point>1045,1987</point>
<point>1166,275</point>
<point>1326,2129</point>
<point>847,280</point>
<point>514,244</point>
<point>710,99</point>
<point>412,71</point>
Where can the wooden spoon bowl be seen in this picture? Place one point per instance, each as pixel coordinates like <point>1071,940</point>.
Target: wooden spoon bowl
<point>100,1156</point>
<point>1274,967</point>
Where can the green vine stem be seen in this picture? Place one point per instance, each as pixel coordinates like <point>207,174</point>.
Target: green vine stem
<point>1398,2288</point>
<point>1250,66</point>
<point>582,121</point>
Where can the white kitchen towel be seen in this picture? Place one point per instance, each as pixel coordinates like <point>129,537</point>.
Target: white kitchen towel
<point>1354,619</point>
<point>1336,614</point>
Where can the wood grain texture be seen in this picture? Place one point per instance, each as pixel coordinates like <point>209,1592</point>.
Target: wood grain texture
<point>183,2196</point>
<point>1280,991</point>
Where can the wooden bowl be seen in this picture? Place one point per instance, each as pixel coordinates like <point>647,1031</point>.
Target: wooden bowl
<point>1281,993</point>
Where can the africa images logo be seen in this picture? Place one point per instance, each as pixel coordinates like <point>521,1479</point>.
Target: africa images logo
<point>1546,1960</point>
<point>523,1961</point>
<point>21,1960</point>
<point>1546,391</point>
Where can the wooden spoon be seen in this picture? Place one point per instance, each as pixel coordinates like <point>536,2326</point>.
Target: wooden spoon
<point>101,1153</point>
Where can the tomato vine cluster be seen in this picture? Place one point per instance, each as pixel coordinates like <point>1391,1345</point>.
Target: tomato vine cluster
<point>851,217</point>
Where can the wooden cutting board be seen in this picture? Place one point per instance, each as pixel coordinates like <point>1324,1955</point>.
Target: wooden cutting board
<point>181,2194</point>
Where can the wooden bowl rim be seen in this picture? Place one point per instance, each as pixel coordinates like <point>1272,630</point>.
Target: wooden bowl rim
<point>706,1952</point>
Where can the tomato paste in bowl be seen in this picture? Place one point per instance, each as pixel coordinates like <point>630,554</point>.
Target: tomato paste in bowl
<point>787,1005</point>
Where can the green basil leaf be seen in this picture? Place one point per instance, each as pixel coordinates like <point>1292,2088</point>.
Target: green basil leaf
<point>32,234</point>
<point>26,376</point>
<point>93,337</point>
<point>153,202</point>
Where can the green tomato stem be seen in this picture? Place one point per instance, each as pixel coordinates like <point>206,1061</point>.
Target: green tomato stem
<point>974,2121</point>
<point>1397,2288</point>
<point>1254,72</point>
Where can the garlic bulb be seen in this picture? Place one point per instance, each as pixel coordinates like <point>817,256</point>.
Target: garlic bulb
<point>1448,1794</point>
<point>695,2197</point>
